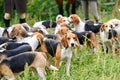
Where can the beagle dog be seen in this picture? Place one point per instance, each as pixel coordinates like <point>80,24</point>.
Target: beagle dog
<point>19,32</point>
<point>7,53</point>
<point>90,39</point>
<point>38,29</point>
<point>23,37</point>
<point>46,24</point>
<point>114,22</point>
<point>61,50</point>
<point>61,32</point>
<point>15,64</point>
<point>34,41</point>
<point>115,26</point>
<point>80,26</point>
<point>11,45</point>
<point>6,32</point>
<point>108,38</point>
<point>61,21</point>
<point>87,36</point>
<point>6,39</point>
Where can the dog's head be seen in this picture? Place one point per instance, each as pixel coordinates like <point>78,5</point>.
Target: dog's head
<point>114,22</point>
<point>18,30</point>
<point>106,27</point>
<point>61,19</point>
<point>70,40</point>
<point>74,19</point>
<point>63,30</point>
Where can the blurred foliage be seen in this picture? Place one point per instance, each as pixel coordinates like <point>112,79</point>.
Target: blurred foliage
<point>107,5</point>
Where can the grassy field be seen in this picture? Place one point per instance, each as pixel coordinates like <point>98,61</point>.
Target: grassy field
<point>98,66</point>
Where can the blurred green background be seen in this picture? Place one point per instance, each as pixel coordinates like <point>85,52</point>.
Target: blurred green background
<point>47,10</point>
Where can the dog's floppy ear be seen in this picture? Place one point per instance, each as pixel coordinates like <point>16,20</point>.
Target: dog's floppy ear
<point>64,41</point>
<point>15,32</point>
<point>40,37</point>
<point>58,17</point>
<point>102,27</point>
<point>76,20</point>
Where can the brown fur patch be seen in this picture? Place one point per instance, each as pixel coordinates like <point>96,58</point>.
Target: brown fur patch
<point>6,71</point>
<point>75,19</point>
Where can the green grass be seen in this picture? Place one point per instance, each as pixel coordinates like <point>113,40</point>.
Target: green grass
<point>98,66</point>
<point>85,67</point>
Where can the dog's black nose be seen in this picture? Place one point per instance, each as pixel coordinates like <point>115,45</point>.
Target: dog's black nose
<point>110,30</point>
<point>72,44</point>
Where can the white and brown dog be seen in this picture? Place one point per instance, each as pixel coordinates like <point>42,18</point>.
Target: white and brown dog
<point>80,26</point>
<point>61,50</point>
<point>22,37</point>
<point>61,21</point>
<point>108,38</point>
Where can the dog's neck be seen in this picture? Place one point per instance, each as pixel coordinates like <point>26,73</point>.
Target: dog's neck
<point>80,27</point>
<point>104,36</point>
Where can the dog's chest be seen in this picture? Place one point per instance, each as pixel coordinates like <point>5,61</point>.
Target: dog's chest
<point>104,37</point>
<point>80,27</point>
<point>66,53</point>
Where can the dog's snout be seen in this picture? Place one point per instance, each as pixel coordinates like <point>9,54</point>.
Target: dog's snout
<point>110,30</point>
<point>72,44</point>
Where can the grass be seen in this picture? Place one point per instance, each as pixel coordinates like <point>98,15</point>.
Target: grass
<point>98,66</point>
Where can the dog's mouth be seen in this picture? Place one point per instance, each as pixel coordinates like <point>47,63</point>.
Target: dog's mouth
<point>73,45</point>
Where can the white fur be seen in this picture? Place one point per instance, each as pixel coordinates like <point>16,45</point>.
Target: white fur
<point>8,78</point>
<point>51,67</point>
<point>67,53</point>
<point>58,16</point>
<point>38,24</point>
<point>79,27</point>
<point>57,29</point>
<point>40,74</point>
<point>2,30</point>
<point>32,41</point>
<point>107,42</point>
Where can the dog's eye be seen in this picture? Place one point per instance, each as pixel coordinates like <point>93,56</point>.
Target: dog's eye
<point>71,17</point>
<point>111,26</point>
<point>63,20</point>
<point>74,38</point>
<point>68,38</point>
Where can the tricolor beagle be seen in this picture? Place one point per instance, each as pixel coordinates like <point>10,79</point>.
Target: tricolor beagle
<point>61,50</point>
<point>15,64</point>
<point>80,26</point>
<point>108,38</point>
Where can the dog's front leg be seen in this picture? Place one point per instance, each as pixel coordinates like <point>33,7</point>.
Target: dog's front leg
<point>113,49</point>
<point>104,48</point>
<point>68,65</point>
<point>40,73</point>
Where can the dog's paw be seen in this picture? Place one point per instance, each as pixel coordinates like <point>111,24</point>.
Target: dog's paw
<point>53,68</point>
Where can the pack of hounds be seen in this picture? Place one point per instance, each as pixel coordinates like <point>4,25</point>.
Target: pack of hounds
<point>36,46</point>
